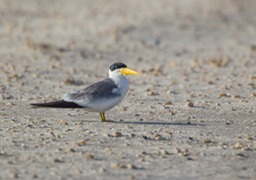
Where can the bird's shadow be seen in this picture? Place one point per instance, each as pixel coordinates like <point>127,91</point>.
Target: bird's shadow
<point>163,123</point>
<point>159,123</point>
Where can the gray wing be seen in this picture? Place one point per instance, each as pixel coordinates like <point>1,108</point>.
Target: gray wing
<point>99,90</point>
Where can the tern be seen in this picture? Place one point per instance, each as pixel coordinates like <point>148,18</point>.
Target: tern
<point>100,96</point>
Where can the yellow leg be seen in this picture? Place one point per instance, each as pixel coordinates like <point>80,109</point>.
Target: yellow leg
<point>103,118</point>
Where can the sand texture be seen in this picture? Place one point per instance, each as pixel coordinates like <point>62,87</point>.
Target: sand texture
<point>190,115</point>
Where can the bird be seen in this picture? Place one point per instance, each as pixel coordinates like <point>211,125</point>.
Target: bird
<point>100,96</point>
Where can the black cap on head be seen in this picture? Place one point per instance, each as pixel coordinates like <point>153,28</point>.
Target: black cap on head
<point>117,65</point>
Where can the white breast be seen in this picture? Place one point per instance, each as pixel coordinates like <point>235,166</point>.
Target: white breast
<point>123,85</point>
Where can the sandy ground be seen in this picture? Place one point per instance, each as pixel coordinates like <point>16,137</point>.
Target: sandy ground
<point>190,115</point>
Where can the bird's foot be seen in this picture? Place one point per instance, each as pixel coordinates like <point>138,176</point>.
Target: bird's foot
<point>107,120</point>
<point>103,118</point>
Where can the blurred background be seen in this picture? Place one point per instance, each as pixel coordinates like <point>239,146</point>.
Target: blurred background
<point>63,40</point>
<point>114,29</point>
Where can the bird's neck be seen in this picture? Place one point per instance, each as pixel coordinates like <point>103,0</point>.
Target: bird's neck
<point>122,83</point>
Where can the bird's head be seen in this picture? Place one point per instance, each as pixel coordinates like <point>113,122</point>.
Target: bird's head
<point>120,69</point>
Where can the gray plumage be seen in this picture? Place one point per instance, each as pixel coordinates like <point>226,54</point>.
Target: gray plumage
<point>104,89</point>
<point>99,90</point>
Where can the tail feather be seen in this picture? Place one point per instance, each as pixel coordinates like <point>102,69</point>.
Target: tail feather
<point>57,104</point>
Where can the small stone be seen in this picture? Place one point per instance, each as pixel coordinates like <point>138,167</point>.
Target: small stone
<point>63,122</point>
<point>223,95</point>
<point>123,108</point>
<point>168,103</point>
<point>190,104</point>
<point>72,150</point>
<point>89,156</point>
<point>132,177</point>
<point>250,138</point>
<point>159,72</point>
<point>211,82</point>
<point>101,170</point>
<point>151,93</point>
<point>56,160</point>
<point>252,77</point>
<point>132,135</point>
<point>239,145</point>
<point>9,104</point>
<point>181,151</point>
<point>117,166</point>
<point>253,47</point>
<point>207,141</point>
<point>117,134</point>
<point>169,133</point>
<point>219,62</point>
<point>81,143</point>
<point>158,137</point>
<point>236,97</point>
<point>107,135</point>
<point>253,94</point>
<point>251,84</point>
<point>163,152</point>
<point>176,150</point>
<point>131,166</point>
<point>15,174</point>
<point>70,81</point>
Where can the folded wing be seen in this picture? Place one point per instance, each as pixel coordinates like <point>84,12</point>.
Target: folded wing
<point>101,90</point>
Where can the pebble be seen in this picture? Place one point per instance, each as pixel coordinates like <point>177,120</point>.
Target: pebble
<point>89,156</point>
<point>132,135</point>
<point>101,170</point>
<point>123,166</point>
<point>163,152</point>
<point>223,95</point>
<point>70,81</point>
<point>117,166</point>
<point>152,93</point>
<point>219,62</point>
<point>239,145</point>
<point>159,137</point>
<point>124,108</point>
<point>15,174</point>
<point>181,151</point>
<point>168,103</point>
<point>250,138</point>
<point>9,104</point>
<point>236,96</point>
<point>57,160</point>
<point>63,122</point>
<point>72,150</point>
<point>117,134</point>
<point>253,94</point>
<point>81,143</point>
<point>211,82</point>
<point>114,134</point>
<point>207,141</point>
<point>252,77</point>
<point>169,133</point>
<point>131,166</point>
<point>190,104</point>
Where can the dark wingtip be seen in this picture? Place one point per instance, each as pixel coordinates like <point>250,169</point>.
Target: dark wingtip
<point>57,104</point>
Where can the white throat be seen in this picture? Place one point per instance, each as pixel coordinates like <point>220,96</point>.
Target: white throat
<point>121,82</point>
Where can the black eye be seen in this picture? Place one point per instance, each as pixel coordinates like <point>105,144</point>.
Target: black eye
<point>117,66</point>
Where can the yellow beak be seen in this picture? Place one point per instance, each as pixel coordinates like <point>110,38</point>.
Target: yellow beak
<point>128,71</point>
